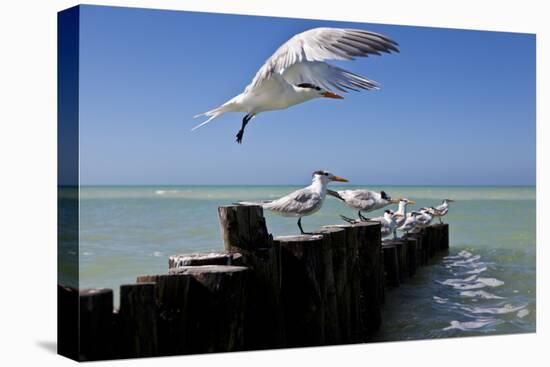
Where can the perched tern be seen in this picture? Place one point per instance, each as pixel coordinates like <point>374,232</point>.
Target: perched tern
<point>387,223</point>
<point>441,210</point>
<point>363,200</point>
<point>297,73</point>
<point>303,202</point>
<point>401,214</point>
<point>423,219</point>
<point>410,222</point>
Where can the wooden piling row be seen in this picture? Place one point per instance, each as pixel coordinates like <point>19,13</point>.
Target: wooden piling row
<point>402,257</point>
<point>259,293</point>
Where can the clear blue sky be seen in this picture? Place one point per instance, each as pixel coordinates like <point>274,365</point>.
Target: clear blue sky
<point>456,107</point>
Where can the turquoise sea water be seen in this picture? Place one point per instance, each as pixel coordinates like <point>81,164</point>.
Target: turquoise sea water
<point>486,284</point>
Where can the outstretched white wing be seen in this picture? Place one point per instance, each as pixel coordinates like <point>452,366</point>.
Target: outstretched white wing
<point>300,58</point>
<point>326,76</point>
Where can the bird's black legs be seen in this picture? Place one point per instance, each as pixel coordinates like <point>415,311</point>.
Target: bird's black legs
<point>361,216</point>
<point>440,221</point>
<point>349,220</point>
<point>241,131</point>
<point>300,226</point>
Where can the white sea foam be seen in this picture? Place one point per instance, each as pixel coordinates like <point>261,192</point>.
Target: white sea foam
<point>522,313</point>
<point>472,283</point>
<point>466,262</point>
<point>440,300</point>
<point>477,270</point>
<point>470,325</point>
<point>481,294</point>
<point>507,308</point>
<point>491,282</point>
<point>461,255</point>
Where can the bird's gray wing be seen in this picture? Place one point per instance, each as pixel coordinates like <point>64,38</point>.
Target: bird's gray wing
<point>359,198</point>
<point>364,195</point>
<point>320,44</point>
<point>299,201</point>
<point>440,208</point>
<point>327,76</point>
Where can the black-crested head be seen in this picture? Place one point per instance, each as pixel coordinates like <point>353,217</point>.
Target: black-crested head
<point>326,176</point>
<point>320,173</point>
<point>385,196</point>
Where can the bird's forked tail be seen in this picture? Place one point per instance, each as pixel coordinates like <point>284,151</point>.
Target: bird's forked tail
<point>229,106</point>
<point>259,203</point>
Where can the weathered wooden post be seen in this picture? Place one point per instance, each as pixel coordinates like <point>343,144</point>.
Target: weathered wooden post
<point>413,254</point>
<point>334,285</point>
<point>440,233</point>
<point>304,302</point>
<point>244,231</point>
<point>243,228</point>
<point>348,283</point>
<point>216,307</point>
<point>391,263</point>
<point>422,242</point>
<point>382,282</point>
<point>402,255</point>
<point>432,236</point>
<point>369,252</point>
<point>171,298</point>
<point>200,308</point>
<point>138,320</point>
<point>96,324</point>
<point>205,258</point>
<point>444,244</point>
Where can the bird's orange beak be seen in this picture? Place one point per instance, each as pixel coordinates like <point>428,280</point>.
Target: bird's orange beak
<point>332,95</point>
<point>339,179</point>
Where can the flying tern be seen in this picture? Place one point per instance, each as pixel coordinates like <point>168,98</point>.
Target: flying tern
<point>297,73</point>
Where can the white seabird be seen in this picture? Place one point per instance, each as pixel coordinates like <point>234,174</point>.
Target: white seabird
<point>363,200</point>
<point>423,219</point>
<point>401,214</point>
<point>387,223</point>
<point>441,210</point>
<point>303,202</point>
<point>410,222</point>
<point>297,73</point>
